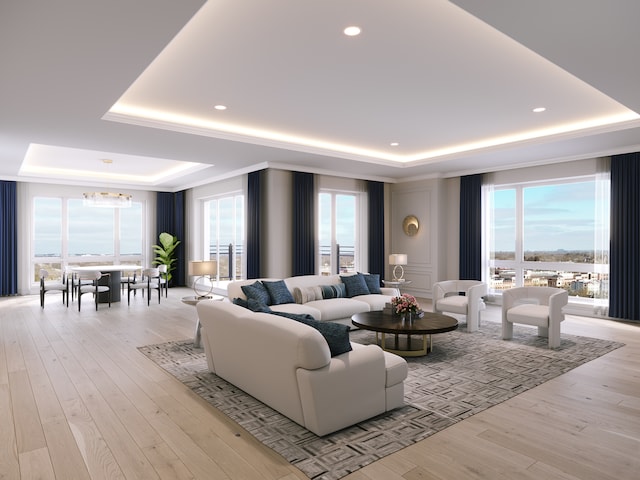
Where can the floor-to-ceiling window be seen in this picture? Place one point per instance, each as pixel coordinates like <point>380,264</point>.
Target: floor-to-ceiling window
<point>224,235</point>
<point>552,233</point>
<point>67,232</point>
<point>338,249</point>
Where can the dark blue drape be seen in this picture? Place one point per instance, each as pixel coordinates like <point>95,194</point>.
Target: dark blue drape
<point>376,227</point>
<point>170,218</point>
<point>471,227</point>
<point>8,238</point>
<point>624,256</point>
<point>254,202</point>
<point>303,224</point>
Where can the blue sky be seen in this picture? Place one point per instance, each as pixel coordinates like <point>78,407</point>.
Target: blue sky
<point>556,217</point>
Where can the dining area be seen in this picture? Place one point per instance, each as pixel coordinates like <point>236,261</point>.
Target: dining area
<point>106,283</point>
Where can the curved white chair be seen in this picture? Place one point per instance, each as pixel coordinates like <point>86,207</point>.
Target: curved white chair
<point>463,297</point>
<point>538,306</point>
<point>164,278</point>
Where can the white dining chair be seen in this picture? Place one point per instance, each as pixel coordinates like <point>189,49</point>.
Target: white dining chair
<point>94,287</point>
<point>52,286</point>
<point>149,280</point>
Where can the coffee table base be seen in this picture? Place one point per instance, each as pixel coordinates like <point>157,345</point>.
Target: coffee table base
<point>426,345</point>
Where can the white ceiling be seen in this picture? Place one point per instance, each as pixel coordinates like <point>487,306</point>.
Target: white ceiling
<point>454,83</point>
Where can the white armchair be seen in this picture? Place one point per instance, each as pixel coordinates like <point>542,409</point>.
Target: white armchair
<point>463,297</point>
<point>538,306</point>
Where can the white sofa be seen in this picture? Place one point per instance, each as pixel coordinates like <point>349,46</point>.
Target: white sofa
<point>288,366</point>
<point>334,309</point>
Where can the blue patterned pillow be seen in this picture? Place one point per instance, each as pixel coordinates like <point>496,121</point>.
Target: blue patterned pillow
<point>373,282</point>
<point>337,290</point>
<point>278,292</point>
<point>355,285</point>
<point>258,292</point>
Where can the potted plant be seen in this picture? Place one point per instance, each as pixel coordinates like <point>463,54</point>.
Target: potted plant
<point>166,252</point>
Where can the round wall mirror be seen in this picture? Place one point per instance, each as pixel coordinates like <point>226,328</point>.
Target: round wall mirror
<point>410,225</point>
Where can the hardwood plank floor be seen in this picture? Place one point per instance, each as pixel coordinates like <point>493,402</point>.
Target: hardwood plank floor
<point>77,400</point>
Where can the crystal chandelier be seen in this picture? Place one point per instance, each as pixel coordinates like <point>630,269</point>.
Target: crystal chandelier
<point>106,199</point>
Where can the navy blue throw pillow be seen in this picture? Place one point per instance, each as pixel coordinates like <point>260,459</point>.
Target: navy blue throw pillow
<point>355,285</point>
<point>258,292</point>
<point>336,290</point>
<point>336,334</point>
<point>373,282</point>
<point>278,292</point>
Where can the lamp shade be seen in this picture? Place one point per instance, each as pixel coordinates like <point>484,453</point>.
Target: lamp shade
<point>398,259</point>
<point>205,267</point>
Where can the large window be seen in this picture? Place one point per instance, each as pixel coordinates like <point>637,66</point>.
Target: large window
<point>337,233</point>
<point>552,233</point>
<point>224,235</point>
<point>66,232</point>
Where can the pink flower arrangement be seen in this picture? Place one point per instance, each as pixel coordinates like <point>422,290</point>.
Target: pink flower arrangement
<point>405,303</point>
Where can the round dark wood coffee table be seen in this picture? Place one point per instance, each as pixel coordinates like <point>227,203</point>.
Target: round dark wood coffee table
<point>383,323</point>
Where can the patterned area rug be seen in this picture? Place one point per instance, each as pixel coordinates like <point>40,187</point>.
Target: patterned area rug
<point>463,375</point>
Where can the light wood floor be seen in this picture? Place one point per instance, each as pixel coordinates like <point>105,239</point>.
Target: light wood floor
<point>78,401</point>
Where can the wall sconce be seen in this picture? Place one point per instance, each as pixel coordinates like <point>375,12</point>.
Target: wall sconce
<point>398,259</point>
<point>203,269</point>
<point>410,225</point>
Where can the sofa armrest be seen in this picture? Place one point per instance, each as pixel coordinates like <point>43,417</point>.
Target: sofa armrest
<point>394,292</point>
<point>348,390</point>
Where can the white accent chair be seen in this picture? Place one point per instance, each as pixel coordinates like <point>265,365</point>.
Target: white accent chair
<point>538,306</point>
<point>164,278</point>
<point>463,297</point>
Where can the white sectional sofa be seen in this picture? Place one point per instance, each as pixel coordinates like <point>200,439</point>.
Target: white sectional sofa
<point>306,297</point>
<point>288,366</point>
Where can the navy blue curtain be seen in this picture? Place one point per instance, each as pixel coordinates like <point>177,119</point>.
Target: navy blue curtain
<point>470,227</point>
<point>304,224</point>
<point>170,218</point>
<point>624,256</point>
<point>254,202</point>
<point>376,227</point>
<point>8,238</point>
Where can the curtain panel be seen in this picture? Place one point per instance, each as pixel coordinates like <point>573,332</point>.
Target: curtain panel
<point>254,201</point>
<point>376,227</point>
<point>624,260</point>
<point>470,267</point>
<point>170,215</point>
<point>303,224</point>
<point>8,238</point>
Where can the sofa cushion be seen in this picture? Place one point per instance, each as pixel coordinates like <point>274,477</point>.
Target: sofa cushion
<point>338,308</point>
<point>339,290</point>
<point>258,292</point>
<point>355,285</point>
<point>373,282</point>
<point>278,292</point>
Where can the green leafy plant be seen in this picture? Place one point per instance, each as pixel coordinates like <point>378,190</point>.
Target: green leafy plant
<point>166,252</point>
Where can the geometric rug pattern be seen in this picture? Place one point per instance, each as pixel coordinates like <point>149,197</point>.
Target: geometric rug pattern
<point>464,374</point>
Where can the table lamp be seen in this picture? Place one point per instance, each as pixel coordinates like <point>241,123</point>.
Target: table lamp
<point>398,260</point>
<point>202,269</point>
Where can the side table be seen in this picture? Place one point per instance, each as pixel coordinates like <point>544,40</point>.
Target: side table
<point>193,300</point>
<point>395,283</point>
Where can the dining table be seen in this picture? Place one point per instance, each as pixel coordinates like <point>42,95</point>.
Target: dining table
<point>112,277</point>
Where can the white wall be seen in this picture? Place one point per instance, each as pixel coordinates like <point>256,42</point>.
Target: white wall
<point>277,236</point>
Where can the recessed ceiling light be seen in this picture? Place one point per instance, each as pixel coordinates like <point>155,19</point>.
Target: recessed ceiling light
<point>352,31</point>
<point>539,109</point>
<point>394,144</point>
<point>220,107</point>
